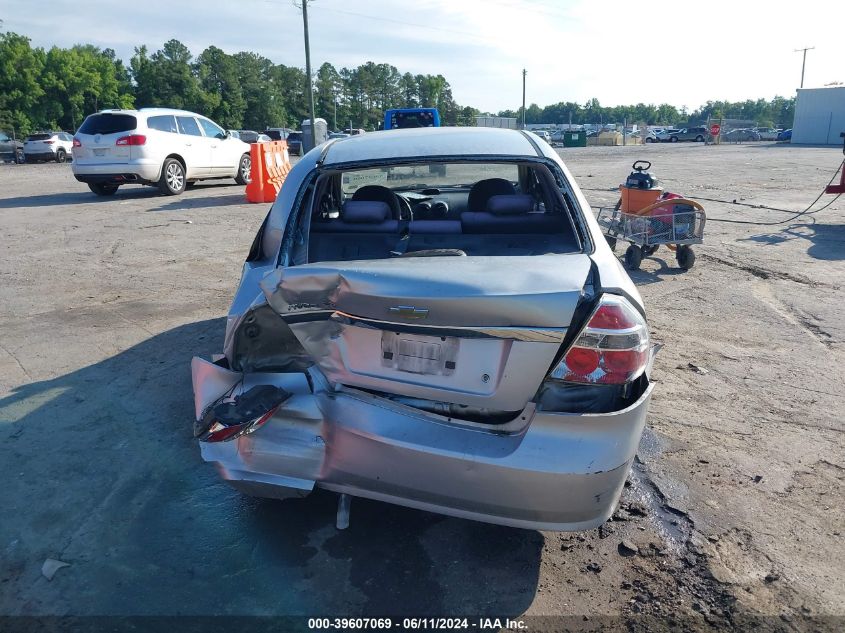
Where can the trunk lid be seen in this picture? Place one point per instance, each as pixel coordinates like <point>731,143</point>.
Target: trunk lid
<point>476,331</point>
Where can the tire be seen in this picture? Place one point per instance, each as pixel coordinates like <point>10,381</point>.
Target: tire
<point>61,155</point>
<point>649,140</point>
<point>172,181</point>
<point>673,139</point>
<point>699,139</point>
<point>20,157</point>
<point>102,189</point>
<point>685,257</point>
<point>244,176</point>
<point>633,257</point>
<point>611,242</point>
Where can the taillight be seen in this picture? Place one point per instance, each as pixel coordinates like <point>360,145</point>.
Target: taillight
<point>611,350</point>
<point>132,139</point>
<point>49,142</point>
<point>228,419</point>
<point>77,142</point>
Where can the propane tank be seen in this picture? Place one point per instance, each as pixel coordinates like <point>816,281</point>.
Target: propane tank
<point>640,189</point>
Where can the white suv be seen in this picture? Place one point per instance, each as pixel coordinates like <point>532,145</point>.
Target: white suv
<point>48,146</point>
<point>155,146</point>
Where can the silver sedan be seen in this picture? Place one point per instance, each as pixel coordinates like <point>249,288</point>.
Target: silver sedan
<point>432,318</point>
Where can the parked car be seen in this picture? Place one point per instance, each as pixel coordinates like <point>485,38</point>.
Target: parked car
<point>490,361</point>
<point>665,135</point>
<point>155,146</point>
<point>251,136</point>
<point>648,136</point>
<point>785,135</point>
<point>698,134</point>
<point>767,133</point>
<point>294,140</point>
<point>543,134</point>
<point>741,135</point>
<point>11,150</point>
<point>278,133</point>
<point>55,146</point>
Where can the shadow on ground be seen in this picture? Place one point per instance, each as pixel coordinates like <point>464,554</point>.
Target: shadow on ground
<point>827,241</point>
<point>128,192</point>
<point>102,472</point>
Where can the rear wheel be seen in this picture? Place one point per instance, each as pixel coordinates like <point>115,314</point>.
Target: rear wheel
<point>685,257</point>
<point>699,139</point>
<point>674,139</point>
<point>172,181</point>
<point>20,157</point>
<point>633,257</point>
<point>61,155</point>
<point>102,189</point>
<point>244,176</point>
<point>649,140</point>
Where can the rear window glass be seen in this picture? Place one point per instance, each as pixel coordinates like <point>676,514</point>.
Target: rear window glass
<point>163,123</point>
<point>458,175</point>
<point>38,137</point>
<point>108,124</point>
<point>295,136</point>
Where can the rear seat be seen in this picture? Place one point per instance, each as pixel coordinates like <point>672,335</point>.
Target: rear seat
<point>511,214</point>
<point>364,230</point>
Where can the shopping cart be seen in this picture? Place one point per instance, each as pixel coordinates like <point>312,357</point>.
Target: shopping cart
<point>676,223</point>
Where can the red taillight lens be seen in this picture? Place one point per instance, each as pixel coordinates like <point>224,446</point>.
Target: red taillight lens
<point>611,350</point>
<point>49,142</point>
<point>132,139</point>
<point>229,418</point>
<point>218,432</point>
<point>77,142</point>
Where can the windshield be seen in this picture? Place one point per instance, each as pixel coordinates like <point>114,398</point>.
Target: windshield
<point>435,175</point>
<point>411,119</point>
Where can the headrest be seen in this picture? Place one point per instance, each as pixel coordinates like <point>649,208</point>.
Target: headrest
<point>516,204</point>
<point>364,212</point>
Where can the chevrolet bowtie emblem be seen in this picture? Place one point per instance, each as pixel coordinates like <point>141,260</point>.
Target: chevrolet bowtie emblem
<point>408,312</point>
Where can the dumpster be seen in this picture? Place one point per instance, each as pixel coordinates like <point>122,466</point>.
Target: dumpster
<point>573,138</point>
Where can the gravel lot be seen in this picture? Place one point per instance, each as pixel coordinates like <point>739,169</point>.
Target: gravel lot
<point>736,508</point>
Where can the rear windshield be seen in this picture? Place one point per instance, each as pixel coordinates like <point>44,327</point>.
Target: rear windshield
<point>108,124</point>
<point>436,209</point>
<point>399,120</point>
<point>294,136</point>
<point>38,137</point>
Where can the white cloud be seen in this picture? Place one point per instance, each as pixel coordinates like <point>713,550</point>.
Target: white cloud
<point>574,50</point>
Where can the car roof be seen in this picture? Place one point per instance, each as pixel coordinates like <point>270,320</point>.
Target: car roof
<point>151,111</point>
<point>430,141</point>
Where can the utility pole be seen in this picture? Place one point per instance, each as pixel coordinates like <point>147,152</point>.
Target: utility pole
<point>804,61</point>
<point>308,73</point>
<point>524,72</point>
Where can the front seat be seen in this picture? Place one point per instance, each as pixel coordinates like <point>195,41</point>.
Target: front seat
<point>483,190</point>
<point>377,193</point>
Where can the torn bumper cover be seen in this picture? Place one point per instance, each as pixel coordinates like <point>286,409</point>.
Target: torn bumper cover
<point>558,471</point>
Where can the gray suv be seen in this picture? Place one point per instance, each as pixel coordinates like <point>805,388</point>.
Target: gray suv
<point>698,134</point>
<point>10,149</point>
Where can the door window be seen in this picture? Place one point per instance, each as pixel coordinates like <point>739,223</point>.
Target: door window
<point>212,130</point>
<point>188,125</point>
<point>163,123</point>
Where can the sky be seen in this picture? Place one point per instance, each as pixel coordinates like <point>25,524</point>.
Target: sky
<point>573,50</point>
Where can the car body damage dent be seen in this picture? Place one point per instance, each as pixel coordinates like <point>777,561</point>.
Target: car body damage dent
<point>461,292</point>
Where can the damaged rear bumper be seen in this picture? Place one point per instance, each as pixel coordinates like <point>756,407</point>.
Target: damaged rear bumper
<point>558,472</point>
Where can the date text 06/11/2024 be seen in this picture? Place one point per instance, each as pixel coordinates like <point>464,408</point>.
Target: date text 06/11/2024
<point>415,624</point>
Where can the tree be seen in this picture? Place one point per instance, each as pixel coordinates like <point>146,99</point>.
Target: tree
<point>218,77</point>
<point>20,81</point>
